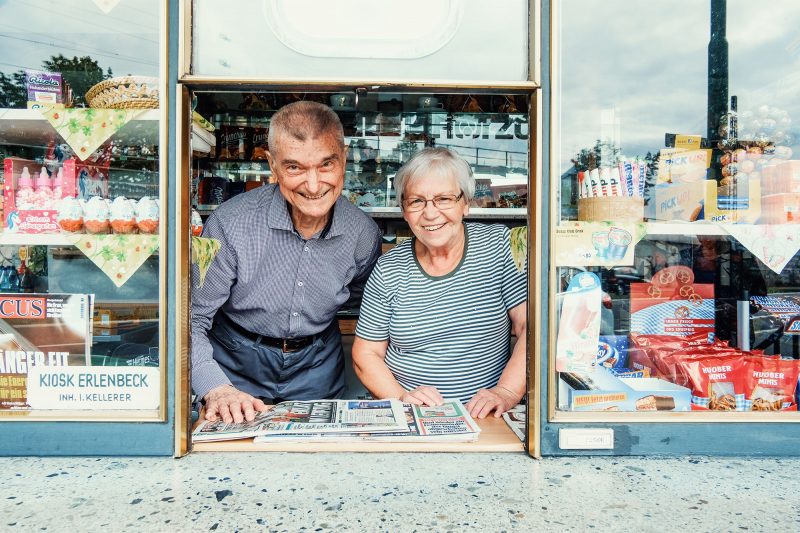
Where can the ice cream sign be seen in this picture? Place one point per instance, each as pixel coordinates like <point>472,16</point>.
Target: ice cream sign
<point>596,243</point>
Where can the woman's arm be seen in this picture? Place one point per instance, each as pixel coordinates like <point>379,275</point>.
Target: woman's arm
<point>371,369</point>
<point>511,387</point>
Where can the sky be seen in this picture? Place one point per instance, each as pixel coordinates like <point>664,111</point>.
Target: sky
<point>647,62</point>
<point>125,39</point>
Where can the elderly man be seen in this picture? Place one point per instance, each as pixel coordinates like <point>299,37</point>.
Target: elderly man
<point>264,323</point>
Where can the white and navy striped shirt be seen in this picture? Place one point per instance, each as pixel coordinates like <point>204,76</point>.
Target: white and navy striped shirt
<point>270,280</point>
<point>451,331</point>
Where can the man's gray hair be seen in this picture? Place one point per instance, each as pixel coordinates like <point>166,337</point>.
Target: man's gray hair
<point>305,120</point>
<point>435,161</point>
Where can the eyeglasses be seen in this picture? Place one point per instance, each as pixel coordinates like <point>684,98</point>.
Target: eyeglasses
<point>441,202</point>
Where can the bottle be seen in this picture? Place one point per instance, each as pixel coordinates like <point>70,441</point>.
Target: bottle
<point>58,185</point>
<point>24,199</point>
<point>13,279</point>
<point>4,283</point>
<point>43,197</point>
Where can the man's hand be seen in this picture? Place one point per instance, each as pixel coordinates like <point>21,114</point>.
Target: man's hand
<point>231,404</point>
<point>496,399</point>
<point>424,395</point>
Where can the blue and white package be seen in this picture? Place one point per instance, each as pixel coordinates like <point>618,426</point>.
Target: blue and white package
<point>612,351</point>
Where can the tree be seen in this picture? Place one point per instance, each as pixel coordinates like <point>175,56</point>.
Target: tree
<point>81,73</point>
<point>12,90</point>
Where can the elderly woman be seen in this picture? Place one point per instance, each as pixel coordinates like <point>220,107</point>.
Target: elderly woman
<point>439,309</point>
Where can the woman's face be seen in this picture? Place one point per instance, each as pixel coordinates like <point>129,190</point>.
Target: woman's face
<point>435,227</point>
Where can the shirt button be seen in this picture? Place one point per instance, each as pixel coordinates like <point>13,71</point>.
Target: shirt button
<point>299,283</point>
<point>306,248</point>
<point>295,313</point>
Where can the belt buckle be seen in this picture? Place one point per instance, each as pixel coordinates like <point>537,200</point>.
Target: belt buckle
<point>285,346</point>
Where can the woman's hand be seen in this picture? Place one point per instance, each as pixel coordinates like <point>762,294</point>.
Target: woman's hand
<point>497,399</point>
<point>424,395</point>
<point>231,404</point>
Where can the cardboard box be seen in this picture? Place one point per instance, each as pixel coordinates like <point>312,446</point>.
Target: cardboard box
<point>746,215</point>
<point>672,310</point>
<point>611,393</point>
<point>781,208</point>
<point>611,208</point>
<point>676,201</point>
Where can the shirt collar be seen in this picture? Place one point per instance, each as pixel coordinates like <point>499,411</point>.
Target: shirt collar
<point>279,217</point>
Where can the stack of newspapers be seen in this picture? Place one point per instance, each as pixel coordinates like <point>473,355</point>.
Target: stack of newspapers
<point>348,420</point>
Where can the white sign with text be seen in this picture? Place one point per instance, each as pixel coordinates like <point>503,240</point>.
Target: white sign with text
<point>93,388</point>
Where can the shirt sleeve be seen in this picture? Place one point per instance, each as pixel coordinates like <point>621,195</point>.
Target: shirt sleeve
<point>367,253</point>
<point>206,301</point>
<point>515,282</point>
<point>373,318</point>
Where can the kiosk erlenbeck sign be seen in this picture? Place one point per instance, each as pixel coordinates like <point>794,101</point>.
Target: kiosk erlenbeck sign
<point>46,363</point>
<point>93,388</point>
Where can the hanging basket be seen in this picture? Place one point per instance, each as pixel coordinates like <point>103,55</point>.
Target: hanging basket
<point>126,92</point>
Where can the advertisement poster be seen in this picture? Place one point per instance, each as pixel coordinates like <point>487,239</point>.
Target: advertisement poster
<point>45,359</point>
<point>40,331</point>
<point>596,243</point>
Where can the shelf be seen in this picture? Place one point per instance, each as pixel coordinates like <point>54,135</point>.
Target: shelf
<point>475,213</point>
<point>35,239</point>
<point>27,127</point>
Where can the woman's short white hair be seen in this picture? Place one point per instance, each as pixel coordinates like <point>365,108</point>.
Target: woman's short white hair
<point>440,162</point>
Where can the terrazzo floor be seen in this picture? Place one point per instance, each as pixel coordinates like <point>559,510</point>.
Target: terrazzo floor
<point>398,493</point>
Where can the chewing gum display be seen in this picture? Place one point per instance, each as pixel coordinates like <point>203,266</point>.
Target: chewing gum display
<point>625,179</point>
<point>44,87</point>
<point>579,324</point>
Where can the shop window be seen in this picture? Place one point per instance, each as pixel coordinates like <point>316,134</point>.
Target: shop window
<point>382,131</point>
<point>675,202</point>
<point>80,271</point>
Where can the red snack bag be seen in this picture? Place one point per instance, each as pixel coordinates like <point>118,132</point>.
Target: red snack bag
<point>717,383</point>
<point>771,384</point>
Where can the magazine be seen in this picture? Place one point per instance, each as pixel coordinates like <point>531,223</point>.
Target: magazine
<point>40,330</point>
<point>516,419</point>
<point>315,416</point>
<point>449,422</point>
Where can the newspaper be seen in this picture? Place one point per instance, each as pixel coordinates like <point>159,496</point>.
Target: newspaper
<point>449,422</point>
<point>315,416</point>
<point>517,420</point>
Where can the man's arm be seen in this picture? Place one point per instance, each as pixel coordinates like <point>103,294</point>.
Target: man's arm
<point>208,380</point>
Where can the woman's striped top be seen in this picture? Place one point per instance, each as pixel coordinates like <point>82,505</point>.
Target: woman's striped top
<point>451,331</point>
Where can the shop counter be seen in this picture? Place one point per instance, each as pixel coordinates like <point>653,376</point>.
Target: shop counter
<point>495,437</point>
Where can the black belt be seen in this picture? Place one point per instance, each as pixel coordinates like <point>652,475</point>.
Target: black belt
<point>287,345</point>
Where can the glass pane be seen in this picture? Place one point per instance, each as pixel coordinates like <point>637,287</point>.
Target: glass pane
<point>675,244</point>
<point>382,131</point>
<point>350,39</point>
<point>79,248</point>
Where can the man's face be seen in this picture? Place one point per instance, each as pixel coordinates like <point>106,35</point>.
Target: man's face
<point>310,173</point>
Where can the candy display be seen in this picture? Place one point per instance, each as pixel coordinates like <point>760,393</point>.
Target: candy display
<point>70,215</point>
<point>147,215</point>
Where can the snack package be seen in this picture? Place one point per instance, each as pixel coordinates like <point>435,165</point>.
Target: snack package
<point>612,352</point>
<point>717,383</point>
<point>123,215</point>
<point>70,215</point>
<point>672,304</point>
<point>96,215</point>
<point>147,215</point>
<point>771,384</point>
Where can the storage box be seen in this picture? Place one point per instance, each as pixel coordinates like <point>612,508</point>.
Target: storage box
<point>677,201</point>
<point>611,393</point>
<point>782,208</point>
<point>747,215</point>
<point>33,220</point>
<point>611,208</point>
